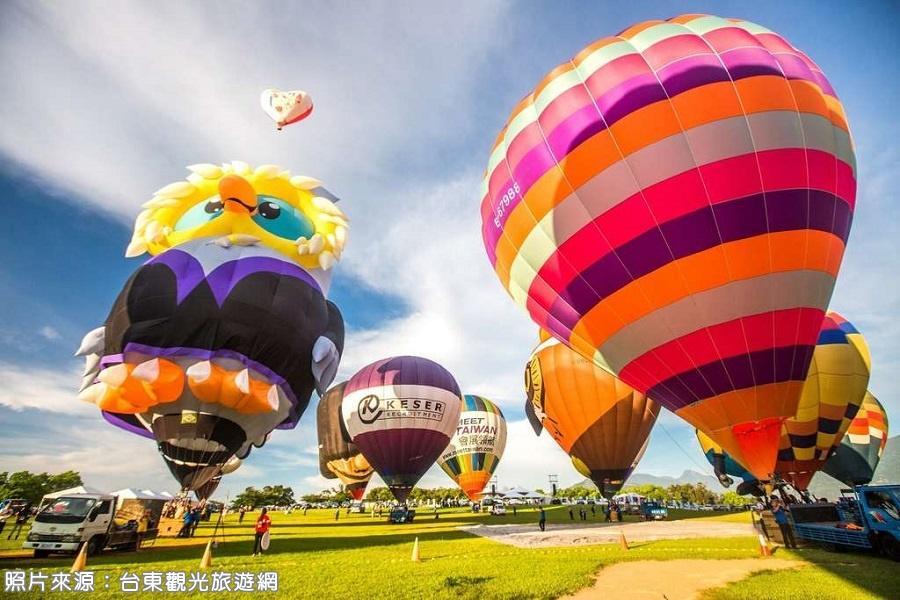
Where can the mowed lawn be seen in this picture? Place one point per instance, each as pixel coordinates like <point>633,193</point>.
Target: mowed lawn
<point>361,557</point>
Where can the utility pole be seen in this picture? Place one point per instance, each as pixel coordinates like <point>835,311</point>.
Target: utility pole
<point>554,479</point>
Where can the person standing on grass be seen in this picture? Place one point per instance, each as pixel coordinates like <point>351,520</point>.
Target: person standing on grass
<point>781,517</point>
<point>262,528</point>
<point>571,514</point>
<point>21,520</point>
<point>241,514</point>
<point>542,519</point>
<point>337,514</point>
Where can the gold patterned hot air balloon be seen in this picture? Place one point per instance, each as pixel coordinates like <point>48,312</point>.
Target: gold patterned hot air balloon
<point>833,392</point>
<point>598,420</point>
<point>855,460</point>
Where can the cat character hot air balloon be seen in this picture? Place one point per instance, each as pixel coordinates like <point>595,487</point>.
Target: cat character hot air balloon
<point>833,392</point>
<point>401,412</point>
<point>674,202</point>
<point>476,447</point>
<point>339,458</point>
<point>856,458</point>
<point>222,335</point>
<point>205,491</point>
<point>286,108</point>
<point>599,421</point>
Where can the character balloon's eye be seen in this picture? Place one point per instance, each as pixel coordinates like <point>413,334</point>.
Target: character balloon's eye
<point>200,213</point>
<point>280,218</point>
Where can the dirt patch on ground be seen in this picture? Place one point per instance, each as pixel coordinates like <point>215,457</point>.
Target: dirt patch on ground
<point>529,536</point>
<point>674,579</point>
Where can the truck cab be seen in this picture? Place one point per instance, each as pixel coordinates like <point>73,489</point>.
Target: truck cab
<point>63,523</point>
<point>865,517</point>
<point>653,511</point>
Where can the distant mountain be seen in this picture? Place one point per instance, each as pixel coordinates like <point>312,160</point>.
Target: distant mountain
<point>687,476</point>
<point>888,471</point>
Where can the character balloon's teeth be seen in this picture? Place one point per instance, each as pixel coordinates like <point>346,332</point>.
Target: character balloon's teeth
<point>340,235</point>
<point>115,375</point>
<point>243,239</point>
<point>267,171</point>
<point>336,220</point>
<point>91,364</point>
<point>331,240</point>
<point>303,248</point>
<point>240,167</point>
<point>316,243</point>
<point>179,189</point>
<point>234,389</point>
<point>223,241</point>
<point>242,381</point>
<point>326,260</point>
<point>86,382</point>
<point>152,229</point>
<point>272,397</point>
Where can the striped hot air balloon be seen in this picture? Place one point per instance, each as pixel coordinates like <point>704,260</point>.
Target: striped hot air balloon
<point>674,202</point>
<point>834,389</point>
<point>401,412</point>
<point>722,463</point>
<point>855,460</point>
<point>599,421</point>
<point>477,446</point>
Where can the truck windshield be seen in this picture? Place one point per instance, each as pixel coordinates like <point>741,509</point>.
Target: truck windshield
<point>885,501</point>
<point>66,510</point>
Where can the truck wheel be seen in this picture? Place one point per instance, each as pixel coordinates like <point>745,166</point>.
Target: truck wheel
<point>95,545</point>
<point>890,547</point>
<point>41,553</point>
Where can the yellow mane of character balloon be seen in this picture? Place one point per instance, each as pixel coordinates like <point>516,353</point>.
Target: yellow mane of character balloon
<point>237,205</point>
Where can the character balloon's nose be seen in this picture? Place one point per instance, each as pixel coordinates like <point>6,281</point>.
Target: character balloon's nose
<point>237,194</point>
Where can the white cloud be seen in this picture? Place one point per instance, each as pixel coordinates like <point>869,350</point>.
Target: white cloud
<point>49,333</point>
<point>44,389</point>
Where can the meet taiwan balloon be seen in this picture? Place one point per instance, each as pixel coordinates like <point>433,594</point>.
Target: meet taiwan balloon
<point>833,392</point>
<point>674,203</point>
<point>339,458</point>
<point>476,447</point>
<point>401,412</point>
<point>222,335</point>
<point>856,458</point>
<point>599,421</point>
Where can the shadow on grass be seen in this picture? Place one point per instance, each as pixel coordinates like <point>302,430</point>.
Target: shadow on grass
<point>287,545</point>
<point>464,582</point>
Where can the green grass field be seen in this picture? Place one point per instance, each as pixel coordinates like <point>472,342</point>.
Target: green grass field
<point>361,557</point>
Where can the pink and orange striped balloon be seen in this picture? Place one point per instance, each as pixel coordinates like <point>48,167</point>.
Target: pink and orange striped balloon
<point>674,203</point>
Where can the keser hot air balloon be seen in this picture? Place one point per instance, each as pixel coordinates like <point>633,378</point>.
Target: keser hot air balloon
<point>339,458</point>
<point>856,458</point>
<point>401,412</point>
<point>222,335</point>
<point>599,421</point>
<point>476,447</point>
<point>833,392</point>
<point>674,202</point>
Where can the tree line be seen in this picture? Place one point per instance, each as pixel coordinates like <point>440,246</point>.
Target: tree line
<point>33,486</point>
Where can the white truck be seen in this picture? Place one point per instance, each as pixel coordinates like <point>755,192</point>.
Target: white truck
<point>63,523</point>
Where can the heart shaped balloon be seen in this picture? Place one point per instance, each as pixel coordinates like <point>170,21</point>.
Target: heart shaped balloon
<point>286,107</point>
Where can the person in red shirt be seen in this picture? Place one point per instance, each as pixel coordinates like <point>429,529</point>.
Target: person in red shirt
<point>262,528</point>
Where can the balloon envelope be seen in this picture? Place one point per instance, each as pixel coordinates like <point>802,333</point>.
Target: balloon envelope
<point>856,458</point>
<point>477,445</point>
<point>401,412</point>
<point>338,456</point>
<point>723,464</point>
<point>286,108</point>
<point>834,389</point>
<point>599,421</point>
<point>674,203</point>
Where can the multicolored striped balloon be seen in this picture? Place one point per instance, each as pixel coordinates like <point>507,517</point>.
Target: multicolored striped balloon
<point>833,392</point>
<point>724,466</point>
<point>401,413</point>
<point>855,460</point>
<point>674,202</point>
<point>477,446</point>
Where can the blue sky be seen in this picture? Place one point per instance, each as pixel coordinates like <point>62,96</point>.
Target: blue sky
<point>110,103</point>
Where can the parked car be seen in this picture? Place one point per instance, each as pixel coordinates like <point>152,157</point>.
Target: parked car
<point>498,509</point>
<point>401,514</point>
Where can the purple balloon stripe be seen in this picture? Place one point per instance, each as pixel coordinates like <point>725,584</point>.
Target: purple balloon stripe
<point>403,370</point>
<point>776,365</point>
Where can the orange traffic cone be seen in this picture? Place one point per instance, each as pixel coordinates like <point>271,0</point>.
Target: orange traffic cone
<point>623,543</point>
<point>415,552</point>
<point>206,561</point>
<point>80,559</point>
<point>764,548</point>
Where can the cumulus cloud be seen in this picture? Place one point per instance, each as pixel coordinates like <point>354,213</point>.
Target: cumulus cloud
<point>43,389</point>
<point>49,333</point>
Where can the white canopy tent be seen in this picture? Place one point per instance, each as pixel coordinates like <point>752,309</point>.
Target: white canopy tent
<point>80,489</point>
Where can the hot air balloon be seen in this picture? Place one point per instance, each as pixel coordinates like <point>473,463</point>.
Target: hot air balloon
<point>674,203</point>
<point>599,421</point>
<point>222,335</point>
<point>856,458</point>
<point>834,389</point>
<point>723,464</point>
<point>286,108</point>
<point>339,458</point>
<point>401,412</point>
<point>477,446</point>
<point>205,491</point>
